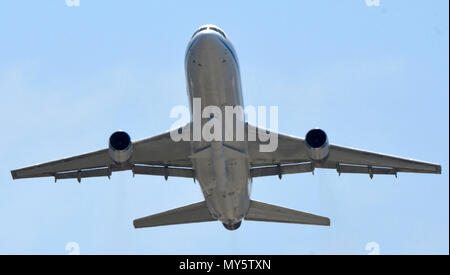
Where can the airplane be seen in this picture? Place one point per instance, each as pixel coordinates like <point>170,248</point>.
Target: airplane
<point>224,169</point>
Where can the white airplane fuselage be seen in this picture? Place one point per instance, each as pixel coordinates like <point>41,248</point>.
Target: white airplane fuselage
<point>212,72</point>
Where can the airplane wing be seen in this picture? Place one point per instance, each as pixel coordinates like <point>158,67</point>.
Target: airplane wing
<point>292,157</point>
<point>158,155</point>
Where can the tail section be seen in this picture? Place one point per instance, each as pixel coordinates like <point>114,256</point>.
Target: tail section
<point>258,211</point>
<point>264,212</point>
<point>197,212</point>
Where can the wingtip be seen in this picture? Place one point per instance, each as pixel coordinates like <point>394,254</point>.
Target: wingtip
<point>136,224</point>
<point>13,174</point>
<point>324,221</point>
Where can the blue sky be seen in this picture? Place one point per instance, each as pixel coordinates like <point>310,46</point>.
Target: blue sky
<point>374,78</point>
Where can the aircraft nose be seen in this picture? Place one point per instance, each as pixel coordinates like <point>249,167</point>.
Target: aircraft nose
<point>207,41</point>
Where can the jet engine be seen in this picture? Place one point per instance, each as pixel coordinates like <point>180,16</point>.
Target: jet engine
<point>120,147</point>
<point>317,144</point>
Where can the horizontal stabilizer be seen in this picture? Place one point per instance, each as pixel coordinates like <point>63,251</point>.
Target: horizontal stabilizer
<point>264,212</point>
<point>197,212</point>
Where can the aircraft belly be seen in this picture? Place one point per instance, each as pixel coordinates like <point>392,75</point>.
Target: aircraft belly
<point>224,184</point>
<point>213,76</point>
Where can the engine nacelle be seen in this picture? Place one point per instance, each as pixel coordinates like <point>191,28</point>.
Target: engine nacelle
<point>120,147</point>
<point>317,144</point>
